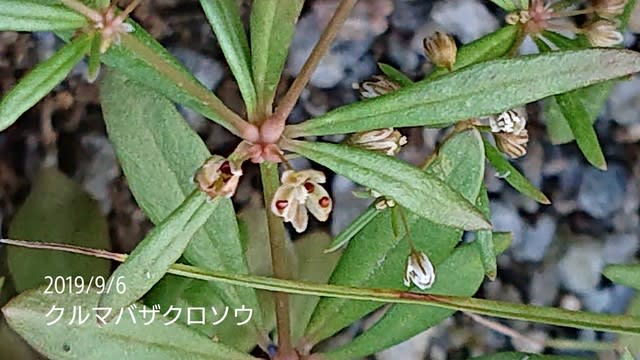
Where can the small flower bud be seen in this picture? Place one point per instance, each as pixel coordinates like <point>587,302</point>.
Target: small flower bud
<point>609,9</point>
<point>516,17</point>
<point>218,177</point>
<point>441,49</point>
<point>509,121</point>
<point>386,141</point>
<point>419,271</point>
<point>603,33</point>
<point>379,85</point>
<point>512,144</point>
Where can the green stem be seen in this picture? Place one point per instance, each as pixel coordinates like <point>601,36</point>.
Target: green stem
<point>83,9</point>
<point>547,315</point>
<point>285,106</point>
<point>277,236</point>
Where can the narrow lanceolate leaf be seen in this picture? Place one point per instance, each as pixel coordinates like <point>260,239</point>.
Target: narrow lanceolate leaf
<point>546,315</point>
<point>94,58</point>
<point>580,123</point>
<point>460,274</point>
<point>376,256</point>
<point>511,175</point>
<point>77,335</point>
<point>489,47</point>
<point>477,90</point>
<point>352,229</point>
<point>627,275</point>
<point>272,27</point>
<point>484,241</point>
<point>162,247</point>
<point>395,74</point>
<point>41,80</point>
<point>29,15</point>
<point>527,356</point>
<point>224,17</point>
<point>57,210</point>
<point>159,154</point>
<point>144,60</point>
<point>418,191</point>
<point>508,5</point>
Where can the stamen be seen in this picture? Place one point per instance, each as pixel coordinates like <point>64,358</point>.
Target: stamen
<point>325,202</point>
<point>281,204</point>
<point>309,187</point>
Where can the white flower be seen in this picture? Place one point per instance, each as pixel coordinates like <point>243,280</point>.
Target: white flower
<point>509,121</point>
<point>441,49</point>
<point>386,141</point>
<point>609,9</point>
<point>300,191</point>
<point>419,271</point>
<point>218,177</point>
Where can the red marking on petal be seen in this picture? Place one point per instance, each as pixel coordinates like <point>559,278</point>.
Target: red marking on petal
<point>309,186</point>
<point>324,202</point>
<point>225,168</point>
<point>281,204</point>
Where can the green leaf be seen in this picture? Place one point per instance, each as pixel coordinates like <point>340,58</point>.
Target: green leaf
<point>41,80</point>
<point>272,27</point>
<point>313,266</point>
<point>525,356</point>
<point>511,175</point>
<point>376,257</point>
<point>162,247</point>
<point>187,293</point>
<point>352,229</point>
<point>395,74</point>
<point>159,153</point>
<point>94,58</point>
<point>418,191</point>
<point>580,123</point>
<point>478,90</point>
<point>627,275</point>
<point>626,355</point>
<point>460,274</point>
<point>29,313</point>
<point>484,239</point>
<point>22,15</point>
<point>224,17</point>
<point>632,341</point>
<point>508,5</point>
<point>144,60</point>
<point>56,210</point>
<point>489,47</point>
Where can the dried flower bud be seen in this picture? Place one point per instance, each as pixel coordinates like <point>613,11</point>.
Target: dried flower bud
<point>512,144</point>
<point>609,9</point>
<point>419,271</point>
<point>384,202</point>
<point>379,85</point>
<point>218,177</point>
<point>386,141</point>
<point>509,121</point>
<point>441,49</point>
<point>300,191</point>
<point>603,33</point>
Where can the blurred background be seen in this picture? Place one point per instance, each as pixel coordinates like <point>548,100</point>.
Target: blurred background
<point>558,250</point>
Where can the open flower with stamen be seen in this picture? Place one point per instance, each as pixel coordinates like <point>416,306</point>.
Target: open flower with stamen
<point>509,121</point>
<point>603,33</point>
<point>218,177</point>
<point>419,270</point>
<point>301,192</point>
<point>509,132</point>
<point>386,141</point>
<point>112,27</point>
